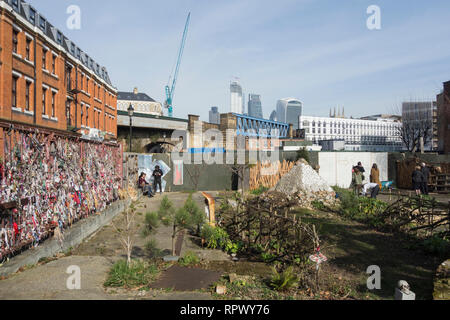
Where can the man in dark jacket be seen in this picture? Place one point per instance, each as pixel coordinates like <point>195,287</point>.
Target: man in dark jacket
<point>360,168</point>
<point>426,177</point>
<point>417,180</point>
<point>157,175</point>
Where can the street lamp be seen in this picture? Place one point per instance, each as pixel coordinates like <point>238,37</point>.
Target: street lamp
<point>130,114</point>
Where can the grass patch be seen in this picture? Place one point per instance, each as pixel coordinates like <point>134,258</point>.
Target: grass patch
<point>189,259</point>
<point>259,191</point>
<point>138,274</point>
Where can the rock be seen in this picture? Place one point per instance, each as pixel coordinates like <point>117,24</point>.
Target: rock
<point>302,178</point>
<point>222,290</point>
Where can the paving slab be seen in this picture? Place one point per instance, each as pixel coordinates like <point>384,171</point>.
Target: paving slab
<point>186,279</point>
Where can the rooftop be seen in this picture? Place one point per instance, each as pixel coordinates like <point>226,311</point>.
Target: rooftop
<point>131,96</point>
<point>39,22</point>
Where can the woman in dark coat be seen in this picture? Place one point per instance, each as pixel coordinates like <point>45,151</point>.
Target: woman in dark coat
<point>417,180</point>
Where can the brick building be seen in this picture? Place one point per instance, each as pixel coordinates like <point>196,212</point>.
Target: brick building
<point>443,106</point>
<point>47,81</point>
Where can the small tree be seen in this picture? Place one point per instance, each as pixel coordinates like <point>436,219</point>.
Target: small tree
<point>197,215</point>
<point>129,230</point>
<point>239,171</point>
<point>303,154</point>
<point>184,218</point>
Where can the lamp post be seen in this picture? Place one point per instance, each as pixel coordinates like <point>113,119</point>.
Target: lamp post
<point>130,114</point>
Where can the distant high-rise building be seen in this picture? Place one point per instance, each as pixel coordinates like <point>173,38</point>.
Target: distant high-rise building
<point>237,99</point>
<point>255,106</point>
<point>273,116</point>
<point>289,110</point>
<point>214,115</point>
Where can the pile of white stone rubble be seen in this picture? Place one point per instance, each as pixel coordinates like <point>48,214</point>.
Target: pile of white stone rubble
<point>304,183</point>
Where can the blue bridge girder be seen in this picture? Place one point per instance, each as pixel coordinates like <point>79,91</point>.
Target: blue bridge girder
<point>256,128</point>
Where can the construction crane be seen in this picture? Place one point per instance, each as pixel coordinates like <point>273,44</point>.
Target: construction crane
<point>170,89</point>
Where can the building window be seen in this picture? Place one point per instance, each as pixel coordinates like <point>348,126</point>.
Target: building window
<point>82,81</point>
<point>44,59</point>
<point>54,64</point>
<point>68,78</point>
<point>87,116</point>
<point>59,37</point>
<point>44,101</point>
<point>15,4</point>
<point>53,104</point>
<point>69,119</point>
<point>15,40</point>
<point>14,91</point>
<point>42,23</point>
<point>32,16</point>
<point>81,114</point>
<point>27,96</point>
<point>28,50</point>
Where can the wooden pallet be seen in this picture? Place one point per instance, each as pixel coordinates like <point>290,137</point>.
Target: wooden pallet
<point>440,183</point>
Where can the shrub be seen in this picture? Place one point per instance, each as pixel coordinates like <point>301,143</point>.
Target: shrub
<point>151,223</point>
<point>232,247</point>
<point>437,245</point>
<point>318,205</point>
<point>152,248</point>
<point>166,211</point>
<point>138,273</point>
<point>360,208</point>
<point>303,154</point>
<point>189,259</point>
<point>216,238</point>
<point>196,216</point>
<point>259,191</point>
<point>283,281</point>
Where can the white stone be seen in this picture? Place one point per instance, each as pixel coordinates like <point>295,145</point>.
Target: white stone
<point>400,295</point>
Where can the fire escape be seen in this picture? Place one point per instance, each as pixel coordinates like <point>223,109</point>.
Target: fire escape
<point>72,96</point>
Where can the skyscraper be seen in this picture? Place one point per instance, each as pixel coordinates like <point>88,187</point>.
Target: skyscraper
<point>255,106</point>
<point>237,101</point>
<point>289,111</point>
<point>214,115</point>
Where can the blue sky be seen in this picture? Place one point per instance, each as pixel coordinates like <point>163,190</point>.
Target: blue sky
<point>319,51</point>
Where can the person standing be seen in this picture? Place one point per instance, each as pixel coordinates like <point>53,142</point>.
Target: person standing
<point>426,178</point>
<point>357,181</point>
<point>417,180</point>
<point>375,175</point>
<point>361,170</point>
<point>157,176</point>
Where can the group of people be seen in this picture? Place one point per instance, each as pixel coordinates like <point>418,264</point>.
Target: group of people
<point>364,188</point>
<point>420,179</point>
<point>146,187</point>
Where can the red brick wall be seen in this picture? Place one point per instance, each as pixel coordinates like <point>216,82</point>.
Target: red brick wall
<point>57,82</point>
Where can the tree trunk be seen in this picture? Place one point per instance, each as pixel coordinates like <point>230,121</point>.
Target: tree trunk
<point>173,239</point>
<point>129,252</point>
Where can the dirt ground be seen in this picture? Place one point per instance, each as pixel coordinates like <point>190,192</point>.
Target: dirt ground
<point>351,248</point>
<point>95,256</point>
